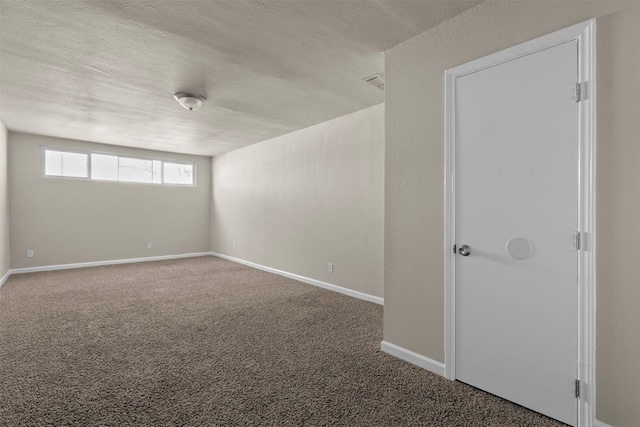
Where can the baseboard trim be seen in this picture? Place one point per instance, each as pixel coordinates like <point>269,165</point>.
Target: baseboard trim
<point>5,277</point>
<point>601,424</point>
<point>412,357</point>
<point>314,282</point>
<point>307,280</point>
<point>100,263</point>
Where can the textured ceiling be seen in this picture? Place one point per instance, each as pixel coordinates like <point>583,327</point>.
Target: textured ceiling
<point>106,71</point>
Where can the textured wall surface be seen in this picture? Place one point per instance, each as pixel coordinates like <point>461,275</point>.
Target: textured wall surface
<point>4,204</point>
<point>618,218</point>
<point>414,185</point>
<point>70,221</point>
<point>303,200</point>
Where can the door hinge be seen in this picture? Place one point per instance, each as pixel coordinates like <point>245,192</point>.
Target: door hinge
<point>579,92</point>
<point>581,241</point>
<point>577,388</point>
<point>454,249</point>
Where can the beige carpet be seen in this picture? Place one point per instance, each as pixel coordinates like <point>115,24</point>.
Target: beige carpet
<point>207,342</point>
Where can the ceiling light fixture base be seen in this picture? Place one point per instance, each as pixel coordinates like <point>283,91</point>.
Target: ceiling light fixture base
<point>190,101</point>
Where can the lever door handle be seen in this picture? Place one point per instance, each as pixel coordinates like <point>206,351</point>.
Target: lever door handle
<point>464,250</point>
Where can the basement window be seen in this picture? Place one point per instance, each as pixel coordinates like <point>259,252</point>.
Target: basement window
<point>66,163</point>
<point>177,173</point>
<point>111,167</point>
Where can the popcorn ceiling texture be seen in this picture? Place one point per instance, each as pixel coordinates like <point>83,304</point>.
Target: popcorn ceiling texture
<point>107,71</point>
<point>204,341</point>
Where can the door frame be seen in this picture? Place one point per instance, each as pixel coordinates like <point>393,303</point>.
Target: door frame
<point>584,33</point>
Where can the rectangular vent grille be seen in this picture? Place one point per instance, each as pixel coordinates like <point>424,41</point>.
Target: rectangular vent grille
<point>376,80</point>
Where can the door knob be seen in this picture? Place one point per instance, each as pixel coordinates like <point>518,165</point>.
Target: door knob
<point>464,250</point>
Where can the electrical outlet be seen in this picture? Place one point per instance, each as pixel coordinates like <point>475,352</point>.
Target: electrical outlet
<point>149,245</point>
<point>330,267</point>
<point>234,246</point>
<point>29,253</point>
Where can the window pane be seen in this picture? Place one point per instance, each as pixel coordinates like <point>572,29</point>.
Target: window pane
<point>135,170</point>
<point>104,167</point>
<point>53,163</point>
<point>176,173</point>
<point>75,165</point>
<point>111,167</point>
<point>63,163</point>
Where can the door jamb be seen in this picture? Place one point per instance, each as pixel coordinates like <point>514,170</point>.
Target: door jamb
<point>584,33</point>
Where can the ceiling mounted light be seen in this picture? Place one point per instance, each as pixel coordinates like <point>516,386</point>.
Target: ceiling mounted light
<point>190,101</point>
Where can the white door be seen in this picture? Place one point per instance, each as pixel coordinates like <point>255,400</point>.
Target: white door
<point>516,207</point>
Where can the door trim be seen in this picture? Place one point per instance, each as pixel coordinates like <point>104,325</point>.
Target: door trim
<point>584,33</point>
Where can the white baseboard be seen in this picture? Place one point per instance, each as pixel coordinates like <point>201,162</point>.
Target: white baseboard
<point>99,263</point>
<point>430,364</point>
<point>314,282</point>
<point>350,292</point>
<point>5,277</point>
<point>412,357</point>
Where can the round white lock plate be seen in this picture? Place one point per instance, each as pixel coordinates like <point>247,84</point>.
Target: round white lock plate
<point>519,248</point>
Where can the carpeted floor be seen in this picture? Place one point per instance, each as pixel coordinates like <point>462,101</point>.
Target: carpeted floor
<point>207,342</point>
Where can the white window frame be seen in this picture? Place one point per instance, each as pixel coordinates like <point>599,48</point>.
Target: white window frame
<point>43,174</point>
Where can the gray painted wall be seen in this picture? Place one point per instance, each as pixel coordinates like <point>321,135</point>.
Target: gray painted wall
<point>303,200</point>
<point>4,204</point>
<point>618,218</point>
<point>71,221</point>
<point>414,186</point>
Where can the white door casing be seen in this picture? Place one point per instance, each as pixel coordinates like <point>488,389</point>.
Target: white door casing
<point>534,358</point>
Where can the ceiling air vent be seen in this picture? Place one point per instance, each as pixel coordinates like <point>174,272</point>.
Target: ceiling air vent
<point>376,80</point>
